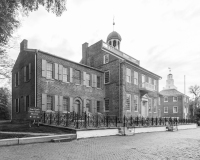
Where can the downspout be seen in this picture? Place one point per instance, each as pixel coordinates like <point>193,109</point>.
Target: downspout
<point>119,85</point>
<point>36,78</point>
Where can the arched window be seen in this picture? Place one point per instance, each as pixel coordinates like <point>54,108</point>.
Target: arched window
<point>110,43</point>
<point>114,43</point>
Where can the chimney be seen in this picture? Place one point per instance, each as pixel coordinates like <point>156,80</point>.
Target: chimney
<point>23,45</point>
<point>84,53</point>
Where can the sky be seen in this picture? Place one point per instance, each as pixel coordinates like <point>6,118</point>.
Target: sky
<point>159,33</point>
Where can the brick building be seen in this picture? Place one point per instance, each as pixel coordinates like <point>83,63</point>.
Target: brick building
<point>106,81</point>
<point>172,102</point>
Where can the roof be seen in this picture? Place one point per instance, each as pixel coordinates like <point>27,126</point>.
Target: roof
<point>171,92</point>
<point>114,35</point>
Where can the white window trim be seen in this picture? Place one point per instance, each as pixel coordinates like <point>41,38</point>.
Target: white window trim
<point>164,109</point>
<point>173,109</point>
<point>105,77</point>
<point>164,99</point>
<point>104,59</point>
<point>135,78</point>
<point>175,100</point>
<point>130,101</point>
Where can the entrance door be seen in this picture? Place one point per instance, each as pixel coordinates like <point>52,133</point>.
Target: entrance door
<point>77,107</point>
<point>144,109</point>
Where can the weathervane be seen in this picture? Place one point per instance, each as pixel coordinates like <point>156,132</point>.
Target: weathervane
<point>169,70</point>
<point>113,22</point>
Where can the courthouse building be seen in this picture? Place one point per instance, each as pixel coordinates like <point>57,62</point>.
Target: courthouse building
<point>172,102</point>
<point>106,81</point>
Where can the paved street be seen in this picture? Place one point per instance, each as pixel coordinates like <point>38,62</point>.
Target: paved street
<point>182,145</point>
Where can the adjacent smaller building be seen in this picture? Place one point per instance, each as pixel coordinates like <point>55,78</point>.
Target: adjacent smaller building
<point>172,102</point>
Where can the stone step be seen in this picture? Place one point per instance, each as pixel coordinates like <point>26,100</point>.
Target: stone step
<point>65,139</point>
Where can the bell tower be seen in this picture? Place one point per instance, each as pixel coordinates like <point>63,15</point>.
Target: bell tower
<point>170,81</point>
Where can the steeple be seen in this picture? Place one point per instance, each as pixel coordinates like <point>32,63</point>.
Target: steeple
<point>114,38</point>
<point>170,81</point>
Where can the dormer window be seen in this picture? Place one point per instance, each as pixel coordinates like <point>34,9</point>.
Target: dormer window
<point>106,59</point>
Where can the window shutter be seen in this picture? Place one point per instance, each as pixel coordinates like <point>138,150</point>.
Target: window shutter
<point>15,80</point>
<point>29,71</point>
<point>60,72</point>
<point>25,74</point>
<point>18,79</point>
<point>55,70</point>
<point>71,74</point>
<point>44,68</point>
<point>29,100</point>
<point>84,78</point>
<point>18,104</point>
<point>24,103</point>
<point>55,103</point>
<point>61,103</point>
<point>44,102</point>
<point>71,104</point>
<point>95,80</point>
<point>92,80</point>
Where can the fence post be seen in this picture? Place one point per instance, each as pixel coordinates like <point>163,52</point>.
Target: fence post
<point>116,121</point>
<point>124,121</point>
<point>44,116</point>
<point>137,120</point>
<point>67,119</point>
<point>156,121</point>
<point>58,117</point>
<point>85,119</point>
<point>142,121</point>
<point>76,115</point>
<point>50,116</point>
<point>97,121</point>
<point>152,121</point>
<point>131,121</point>
<point>107,121</point>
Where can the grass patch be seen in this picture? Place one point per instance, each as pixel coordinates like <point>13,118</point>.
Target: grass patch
<point>19,127</point>
<point>7,136</point>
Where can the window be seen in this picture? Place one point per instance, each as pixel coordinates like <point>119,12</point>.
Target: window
<point>128,102</point>
<point>155,84</point>
<point>49,102</point>
<point>88,102</point>
<point>65,104</point>
<point>106,104</point>
<point>175,109</point>
<point>114,43</point>
<point>135,103</point>
<point>27,72</point>
<point>158,100</point>
<point>49,70</point>
<point>175,99</point>
<point>135,78</point>
<point>98,82</point>
<point>165,109</point>
<point>106,59</point>
<point>107,77</point>
<point>165,99</point>
<point>77,76</point>
<point>65,75</point>
<point>128,75</point>
<point>155,105</point>
<point>150,104</point>
<point>17,105</point>
<point>17,79</point>
<point>88,81</point>
<point>98,106</point>
<point>27,103</point>
<point>149,80</point>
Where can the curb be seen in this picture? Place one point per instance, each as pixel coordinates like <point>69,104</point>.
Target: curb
<point>29,140</point>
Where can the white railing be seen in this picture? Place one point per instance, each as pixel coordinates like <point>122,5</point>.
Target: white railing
<point>120,53</point>
<point>147,86</point>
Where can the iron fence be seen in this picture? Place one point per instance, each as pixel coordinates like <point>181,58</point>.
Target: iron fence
<point>87,121</point>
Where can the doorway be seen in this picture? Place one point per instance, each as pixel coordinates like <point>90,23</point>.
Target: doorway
<point>144,109</point>
<point>77,107</point>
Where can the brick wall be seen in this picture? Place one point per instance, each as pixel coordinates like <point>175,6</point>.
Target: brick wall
<point>73,90</point>
<point>25,88</point>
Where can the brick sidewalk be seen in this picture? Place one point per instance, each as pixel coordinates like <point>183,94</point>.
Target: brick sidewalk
<point>182,145</point>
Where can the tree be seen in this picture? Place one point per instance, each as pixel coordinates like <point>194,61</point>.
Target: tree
<point>9,22</point>
<point>10,9</point>
<point>5,103</point>
<point>195,103</point>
